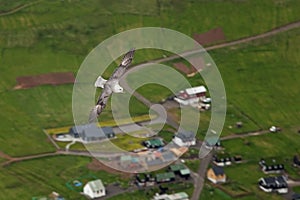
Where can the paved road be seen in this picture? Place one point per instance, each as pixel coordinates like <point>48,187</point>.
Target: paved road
<point>201,174</point>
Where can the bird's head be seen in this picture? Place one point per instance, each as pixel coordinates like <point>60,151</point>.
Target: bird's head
<point>118,89</point>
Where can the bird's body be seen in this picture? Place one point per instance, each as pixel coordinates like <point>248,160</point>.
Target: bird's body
<point>110,86</point>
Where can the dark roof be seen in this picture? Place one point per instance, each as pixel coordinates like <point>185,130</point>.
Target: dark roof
<point>218,170</point>
<point>269,180</point>
<point>296,160</point>
<point>276,181</point>
<point>296,196</point>
<point>281,179</point>
<point>186,136</point>
<point>91,130</point>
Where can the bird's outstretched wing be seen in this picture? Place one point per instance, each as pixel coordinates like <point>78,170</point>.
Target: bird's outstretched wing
<point>101,103</point>
<point>107,90</point>
<point>126,61</point>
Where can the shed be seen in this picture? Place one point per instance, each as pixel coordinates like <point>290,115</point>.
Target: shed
<point>94,189</point>
<point>165,177</point>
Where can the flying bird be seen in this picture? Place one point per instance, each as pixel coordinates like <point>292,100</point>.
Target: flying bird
<point>110,86</point>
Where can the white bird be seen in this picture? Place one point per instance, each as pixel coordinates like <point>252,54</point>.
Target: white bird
<point>110,86</point>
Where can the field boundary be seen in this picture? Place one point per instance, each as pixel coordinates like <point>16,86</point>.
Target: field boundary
<point>18,8</point>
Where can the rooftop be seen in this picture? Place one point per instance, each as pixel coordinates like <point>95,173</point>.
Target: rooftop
<point>218,170</point>
<point>186,135</point>
<point>96,185</point>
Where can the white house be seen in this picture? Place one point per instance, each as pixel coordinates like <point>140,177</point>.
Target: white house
<point>94,189</point>
<point>185,139</point>
<point>273,184</point>
<point>191,96</point>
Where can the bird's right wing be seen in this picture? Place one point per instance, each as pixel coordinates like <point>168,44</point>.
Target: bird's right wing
<point>126,61</point>
<point>101,103</point>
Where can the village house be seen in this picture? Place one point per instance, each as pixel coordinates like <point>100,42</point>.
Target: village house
<point>185,138</point>
<point>91,132</point>
<point>268,168</point>
<point>216,174</point>
<point>154,143</point>
<point>145,180</point>
<point>94,189</point>
<point>237,158</point>
<point>224,161</point>
<point>181,170</point>
<point>273,184</point>
<point>165,177</point>
<point>191,96</point>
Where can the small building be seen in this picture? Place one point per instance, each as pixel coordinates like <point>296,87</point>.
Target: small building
<point>237,158</point>
<point>185,173</point>
<point>176,196</point>
<point>212,143</point>
<point>273,184</point>
<point>145,180</point>
<point>165,177</point>
<point>222,161</point>
<point>91,132</point>
<point>191,96</point>
<point>176,168</point>
<point>94,189</point>
<point>185,138</point>
<point>296,161</point>
<point>154,143</point>
<point>216,174</point>
<point>268,168</point>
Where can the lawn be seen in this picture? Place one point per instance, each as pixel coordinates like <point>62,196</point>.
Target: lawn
<point>213,193</point>
<point>44,37</point>
<point>193,164</point>
<point>241,176</point>
<point>261,79</point>
<point>40,177</point>
<point>150,192</point>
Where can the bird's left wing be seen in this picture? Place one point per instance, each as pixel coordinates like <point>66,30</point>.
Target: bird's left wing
<point>126,61</point>
<point>101,103</point>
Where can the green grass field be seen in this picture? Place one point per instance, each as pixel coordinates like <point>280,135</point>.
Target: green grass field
<point>150,192</point>
<point>42,176</point>
<point>261,78</point>
<point>44,37</point>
